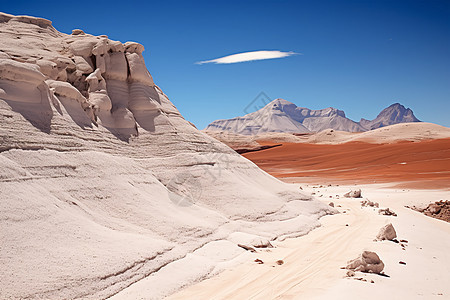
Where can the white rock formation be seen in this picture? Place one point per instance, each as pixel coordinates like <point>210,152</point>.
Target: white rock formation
<point>368,262</point>
<point>102,181</point>
<point>387,232</point>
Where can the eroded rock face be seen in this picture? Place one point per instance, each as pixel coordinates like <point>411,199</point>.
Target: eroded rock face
<point>114,86</point>
<point>368,262</point>
<point>387,232</point>
<point>102,180</point>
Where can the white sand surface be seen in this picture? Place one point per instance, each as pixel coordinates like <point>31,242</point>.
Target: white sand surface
<point>311,268</point>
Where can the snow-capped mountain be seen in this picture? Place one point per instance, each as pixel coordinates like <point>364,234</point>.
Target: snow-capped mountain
<point>284,116</point>
<point>394,114</point>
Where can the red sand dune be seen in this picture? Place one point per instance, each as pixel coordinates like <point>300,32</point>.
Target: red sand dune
<point>424,164</point>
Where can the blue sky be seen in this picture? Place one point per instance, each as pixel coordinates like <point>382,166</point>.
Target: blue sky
<point>358,56</point>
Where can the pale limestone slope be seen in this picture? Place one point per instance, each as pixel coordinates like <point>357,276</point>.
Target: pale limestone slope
<point>102,181</point>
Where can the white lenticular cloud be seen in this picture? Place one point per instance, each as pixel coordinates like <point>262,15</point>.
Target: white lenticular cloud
<point>248,56</point>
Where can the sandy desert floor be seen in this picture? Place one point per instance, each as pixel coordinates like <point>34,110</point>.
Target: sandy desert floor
<point>311,268</point>
<point>394,175</point>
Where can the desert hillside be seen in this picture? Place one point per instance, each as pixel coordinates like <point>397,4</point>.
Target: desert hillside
<point>103,182</point>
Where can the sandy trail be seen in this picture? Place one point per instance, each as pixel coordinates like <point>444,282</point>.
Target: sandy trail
<point>312,263</point>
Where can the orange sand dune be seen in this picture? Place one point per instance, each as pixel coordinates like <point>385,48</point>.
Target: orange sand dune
<point>424,164</point>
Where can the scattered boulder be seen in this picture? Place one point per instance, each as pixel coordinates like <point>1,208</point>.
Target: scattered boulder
<point>387,212</point>
<point>387,232</point>
<point>402,262</point>
<point>353,194</point>
<point>331,204</point>
<point>439,210</point>
<point>368,203</point>
<point>258,261</point>
<point>280,262</point>
<point>350,273</point>
<point>368,262</point>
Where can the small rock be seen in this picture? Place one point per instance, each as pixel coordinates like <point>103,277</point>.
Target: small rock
<point>353,194</point>
<point>372,281</point>
<point>331,204</point>
<point>350,273</point>
<point>402,262</point>
<point>280,262</point>
<point>248,248</point>
<point>366,203</point>
<point>368,262</point>
<point>434,208</point>
<point>387,232</point>
<point>361,279</point>
<point>403,241</point>
<point>258,261</point>
<point>77,32</point>
<point>387,212</point>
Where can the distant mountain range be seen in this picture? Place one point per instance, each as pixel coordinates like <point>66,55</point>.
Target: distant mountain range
<point>284,116</point>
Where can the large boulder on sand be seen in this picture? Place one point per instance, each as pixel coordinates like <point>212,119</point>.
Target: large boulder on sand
<point>353,194</point>
<point>387,232</point>
<point>368,262</point>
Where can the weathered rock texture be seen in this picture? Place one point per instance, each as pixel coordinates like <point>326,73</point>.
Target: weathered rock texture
<point>102,181</point>
<point>387,232</point>
<point>439,210</point>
